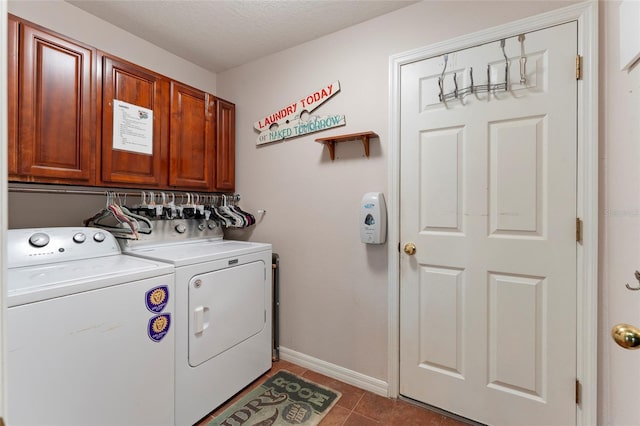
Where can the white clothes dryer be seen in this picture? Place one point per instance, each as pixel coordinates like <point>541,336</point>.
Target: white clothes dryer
<point>223,310</point>
<point>88,331</point>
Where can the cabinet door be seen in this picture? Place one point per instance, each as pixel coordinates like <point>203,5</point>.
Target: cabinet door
<point>192,140</point>
<point>225,146</point>
<point>132,84</point>
<point>12,93</point>
<point>56,120</point>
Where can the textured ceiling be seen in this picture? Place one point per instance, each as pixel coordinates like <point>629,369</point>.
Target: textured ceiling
<point>222,34</point>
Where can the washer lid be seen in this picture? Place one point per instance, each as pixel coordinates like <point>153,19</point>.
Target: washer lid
<point>34,283</point>
<point>197,251</point>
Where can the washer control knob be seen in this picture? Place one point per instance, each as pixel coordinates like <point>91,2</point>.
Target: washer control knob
<point>201,227</point>
<point>212,225</point>
<point>39,239</point>
<point>79,237</point>
<point>181,229</point>
<point>99,237</point>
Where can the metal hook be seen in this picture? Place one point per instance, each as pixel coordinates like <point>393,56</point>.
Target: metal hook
<point>523,61</point>
<point>637,275</point>
<point>488,80</point>
<point>506,65</point>
<point>441,79</point>
<point>455,83</point>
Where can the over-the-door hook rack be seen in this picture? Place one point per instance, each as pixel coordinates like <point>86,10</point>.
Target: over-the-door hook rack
<point>459,93</point>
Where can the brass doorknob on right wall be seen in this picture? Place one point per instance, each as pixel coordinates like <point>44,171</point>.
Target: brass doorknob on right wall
<point>626,336</point>
<point>410,249</point>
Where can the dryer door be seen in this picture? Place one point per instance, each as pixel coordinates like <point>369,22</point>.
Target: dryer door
<point>226,307</point>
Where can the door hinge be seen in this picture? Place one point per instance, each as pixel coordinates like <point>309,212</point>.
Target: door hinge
<point>578,392</point>
<point>578,67</point>
<point>578,229</point>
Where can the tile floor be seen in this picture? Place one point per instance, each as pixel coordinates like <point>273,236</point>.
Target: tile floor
<point>356,407</point>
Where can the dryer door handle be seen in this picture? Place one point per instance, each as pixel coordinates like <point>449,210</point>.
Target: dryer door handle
<point>200,319</point>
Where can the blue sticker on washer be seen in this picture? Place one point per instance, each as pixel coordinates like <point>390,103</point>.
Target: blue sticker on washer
<point>156,299</point>
<point>159,327</point>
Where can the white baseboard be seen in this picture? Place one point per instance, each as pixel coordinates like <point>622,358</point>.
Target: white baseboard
<point>350,377</point>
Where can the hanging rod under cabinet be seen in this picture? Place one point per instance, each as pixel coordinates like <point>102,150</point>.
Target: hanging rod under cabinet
<point>119,191</point>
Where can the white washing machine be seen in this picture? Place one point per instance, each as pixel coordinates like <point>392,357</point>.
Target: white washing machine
<point>223,311</point>
<point>89,332</point>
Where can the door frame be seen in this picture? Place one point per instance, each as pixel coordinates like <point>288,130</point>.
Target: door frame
<point>586,14</point>
<point>3,200</point>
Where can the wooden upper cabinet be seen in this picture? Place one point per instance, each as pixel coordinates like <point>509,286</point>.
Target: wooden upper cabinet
<point>12,95</point>
<point>61,96</point>
<point>192,138</point>
<point>134,85</point>
<point>225,170</point>
<point>56,123</point>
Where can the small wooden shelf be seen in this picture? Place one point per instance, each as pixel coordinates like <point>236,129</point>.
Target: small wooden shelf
<point>331,141</point>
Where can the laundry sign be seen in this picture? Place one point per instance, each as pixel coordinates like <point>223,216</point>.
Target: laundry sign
<point>295,119</point>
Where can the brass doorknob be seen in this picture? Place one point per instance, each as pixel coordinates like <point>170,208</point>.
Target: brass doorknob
<point>626,336</point>
<point>410,249</point>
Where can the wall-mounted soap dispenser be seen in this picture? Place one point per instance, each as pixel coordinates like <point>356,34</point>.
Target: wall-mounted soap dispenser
<point>373,218</point>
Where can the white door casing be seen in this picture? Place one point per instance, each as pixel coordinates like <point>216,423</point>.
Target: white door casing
<point>488,196</point>
<point>586,17</point>
<point>3,198</point>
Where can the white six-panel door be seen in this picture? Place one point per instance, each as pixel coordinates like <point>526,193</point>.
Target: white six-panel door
<point>488,197</point>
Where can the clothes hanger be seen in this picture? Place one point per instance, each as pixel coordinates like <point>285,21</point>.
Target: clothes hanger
<point>114,220</point>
